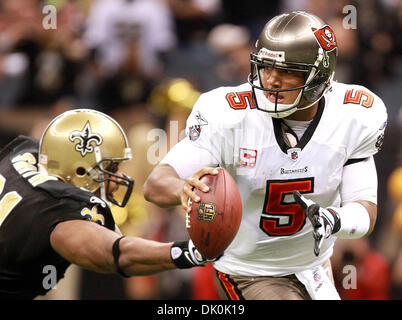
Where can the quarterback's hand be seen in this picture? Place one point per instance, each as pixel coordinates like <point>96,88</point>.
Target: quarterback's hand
<point>185,255</point>
<point>193,182</point>
<point>325,221</point>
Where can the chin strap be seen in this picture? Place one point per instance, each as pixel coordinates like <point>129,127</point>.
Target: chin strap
<point>100,176</point>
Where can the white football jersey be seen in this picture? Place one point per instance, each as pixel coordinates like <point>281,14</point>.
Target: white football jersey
<point>275,236</point>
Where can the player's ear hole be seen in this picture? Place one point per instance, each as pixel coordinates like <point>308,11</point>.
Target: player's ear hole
<point>81,171</point>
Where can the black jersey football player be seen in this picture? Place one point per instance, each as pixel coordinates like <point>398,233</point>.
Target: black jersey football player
<point>55,197</point>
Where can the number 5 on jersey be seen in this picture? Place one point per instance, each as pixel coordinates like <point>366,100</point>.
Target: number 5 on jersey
<point>279,217</point>
<point>360,97</point>
<point>8,201</point>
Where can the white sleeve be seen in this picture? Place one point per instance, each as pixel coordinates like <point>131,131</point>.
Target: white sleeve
<point>359,182</point>
<point>202,128</point>
<point>186,158</point>
<point>370,131</point>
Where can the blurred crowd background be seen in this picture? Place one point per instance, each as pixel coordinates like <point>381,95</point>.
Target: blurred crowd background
<point>145,62</point>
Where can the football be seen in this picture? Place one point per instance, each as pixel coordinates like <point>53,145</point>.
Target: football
<point>213,222</point>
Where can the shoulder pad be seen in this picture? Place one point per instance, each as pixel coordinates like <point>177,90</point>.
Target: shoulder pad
<point>19,144</point>
<point>367,117</point>
<point>359,97</point>
<point>59,190</point>
<point>89,206</point>
<point>224,106</point>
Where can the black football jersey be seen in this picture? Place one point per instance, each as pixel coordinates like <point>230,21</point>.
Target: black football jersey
<point>32,203</point>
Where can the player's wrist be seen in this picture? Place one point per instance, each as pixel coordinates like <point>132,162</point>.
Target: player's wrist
<point>184,255</point>
<point>333,219</point>
<point>354,221</point>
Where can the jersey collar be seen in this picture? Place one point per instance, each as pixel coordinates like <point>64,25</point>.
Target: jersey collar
<point>279,132</point>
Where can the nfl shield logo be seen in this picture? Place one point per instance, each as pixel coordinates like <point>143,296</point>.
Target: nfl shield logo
<point>316,275</point>
<point>294,153</point>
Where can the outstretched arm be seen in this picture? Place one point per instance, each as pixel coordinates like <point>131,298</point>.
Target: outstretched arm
<point>89,245</point>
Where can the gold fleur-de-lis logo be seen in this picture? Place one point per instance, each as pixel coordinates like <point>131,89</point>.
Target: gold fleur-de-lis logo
<point>86,137</point>
<point>93,215</point>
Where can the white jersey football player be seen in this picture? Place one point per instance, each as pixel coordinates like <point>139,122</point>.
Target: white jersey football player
<point>300,147</point>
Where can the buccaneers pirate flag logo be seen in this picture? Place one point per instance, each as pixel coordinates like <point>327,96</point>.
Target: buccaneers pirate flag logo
<point>325,37</point>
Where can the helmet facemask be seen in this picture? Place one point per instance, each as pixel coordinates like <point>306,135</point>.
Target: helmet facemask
<point>104,172</point>
<point>302,101</point>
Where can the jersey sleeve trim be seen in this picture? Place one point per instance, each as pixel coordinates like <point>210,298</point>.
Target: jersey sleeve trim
<point>352,161</point>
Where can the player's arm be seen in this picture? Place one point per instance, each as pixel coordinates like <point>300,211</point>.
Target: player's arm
<point>357,215</point>
<point>371,209</point>
<point>172,182</point>
<point>359,185</point>
<point>90,246</point>
<point>165,188</point>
